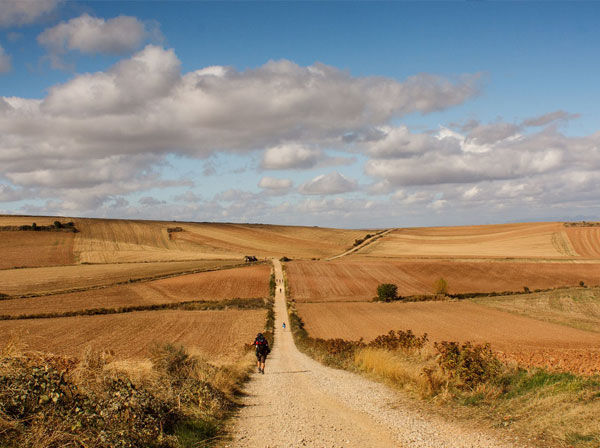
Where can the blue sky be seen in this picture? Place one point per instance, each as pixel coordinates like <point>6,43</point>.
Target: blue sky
<point>391,114</point>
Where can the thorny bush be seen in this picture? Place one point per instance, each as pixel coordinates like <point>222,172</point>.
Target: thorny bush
<point>467,364</point>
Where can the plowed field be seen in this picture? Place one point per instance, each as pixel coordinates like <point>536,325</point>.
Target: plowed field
<point>585,240</point>
<point>530,240</point>
<point>62,278</point>
<point>248,282</point>
<point>356,279</point>
<point>219,335</point>
<point>30,249</point>
<point>518,337</point>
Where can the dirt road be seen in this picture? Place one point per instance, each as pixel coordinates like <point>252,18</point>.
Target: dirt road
<point>299,402</point>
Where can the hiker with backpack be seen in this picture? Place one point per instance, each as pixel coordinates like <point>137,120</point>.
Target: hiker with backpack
<point>262,350</point>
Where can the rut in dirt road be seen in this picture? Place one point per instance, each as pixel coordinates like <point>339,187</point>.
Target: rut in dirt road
<point>299,402</point>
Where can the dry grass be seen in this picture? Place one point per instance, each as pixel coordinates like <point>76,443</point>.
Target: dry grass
<point>529,240</point>
<point>10,220</point>
<point>116,240</point>
<point>246,282</point>
<point>576,307</point>
<point>31,249</point>
<point>357,279</point>
<point>219,335</point>
<point>65,278</point>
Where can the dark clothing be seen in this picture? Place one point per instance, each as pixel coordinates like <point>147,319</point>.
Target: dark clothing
<point>262,348</point>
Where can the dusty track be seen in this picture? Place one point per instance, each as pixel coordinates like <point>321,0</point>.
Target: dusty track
<point>299,402</point>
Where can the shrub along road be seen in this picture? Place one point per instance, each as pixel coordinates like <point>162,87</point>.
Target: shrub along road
<point>299,402</point>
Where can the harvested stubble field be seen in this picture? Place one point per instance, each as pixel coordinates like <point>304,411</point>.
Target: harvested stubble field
<point>574,307</point>
<point>218,335</point>
<point>109,241</point>
<point>528,341</point>
<point>14,220</point>
<point>64,278</point>
<point>246,282</point>
<point>31,249</point>
<point>351,279</point>
<point>529,240</point>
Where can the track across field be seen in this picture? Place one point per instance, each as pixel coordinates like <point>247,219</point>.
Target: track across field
<point>63,278</point>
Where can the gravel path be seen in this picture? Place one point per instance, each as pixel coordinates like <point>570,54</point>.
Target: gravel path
<point>299,402</point>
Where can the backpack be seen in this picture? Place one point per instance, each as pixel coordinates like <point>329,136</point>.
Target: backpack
<point>262,345</point>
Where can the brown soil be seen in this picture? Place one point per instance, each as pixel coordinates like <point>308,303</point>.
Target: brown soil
<point>219,335</point>
<point>63,278</point>
<point>31,249</point>
<point>520,338</point>
<point>357,279</point>
<point>242,283</point>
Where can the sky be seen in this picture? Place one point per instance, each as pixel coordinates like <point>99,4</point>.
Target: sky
<point>339,114</point>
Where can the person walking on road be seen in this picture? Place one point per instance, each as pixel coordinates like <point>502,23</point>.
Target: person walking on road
<point>262,351</point>
<point>283,326</point>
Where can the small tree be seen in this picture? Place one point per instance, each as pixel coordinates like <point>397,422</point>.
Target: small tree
<point>57,224</point>
<point>441,286</point>
<point>34,226</point>
<point>387,292</point>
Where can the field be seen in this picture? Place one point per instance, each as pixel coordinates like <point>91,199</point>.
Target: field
<point>526,340</point>
<point>530,240</point>
<point>575,307</point>
<point>351,279</point>
<point>64,278</point>
<point>246,282</point>
<point>32,249</point>
<point>218,335</point>
<point>109,241</point>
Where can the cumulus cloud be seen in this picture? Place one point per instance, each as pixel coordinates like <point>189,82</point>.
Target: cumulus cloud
<point>454,158</point>
<point>149,201</point>
<point>290,156</point>
<point>104,132</point>
<point>332,183</point>
<point>92,35</point>
<point>271,183</point>
<point>21,12</point>
<point>5,64</point>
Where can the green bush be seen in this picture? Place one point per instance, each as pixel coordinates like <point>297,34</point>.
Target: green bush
<point>441,286</point>
<point>387,292</point>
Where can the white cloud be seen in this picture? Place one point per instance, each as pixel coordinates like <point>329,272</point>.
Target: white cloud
<point>5,64</point>
<point>290,156</point>
<point>87,34</point>
<point>272,183</point>
<point>332,183</point>
<point>105,133</point>
<point>21,12</point>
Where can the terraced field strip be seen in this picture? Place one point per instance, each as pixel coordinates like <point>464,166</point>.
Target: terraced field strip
<point>33,249</point>
<point>65,279</point>
<point>218,335</point>
<point>529,240</point>
<point>351,279</point>
<point>519,338</point>
<point>247,282</point>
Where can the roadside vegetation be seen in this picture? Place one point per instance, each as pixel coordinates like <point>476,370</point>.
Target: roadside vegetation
<point>179,401</point>
<point>548,408</point>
